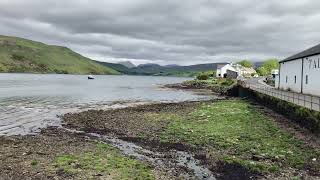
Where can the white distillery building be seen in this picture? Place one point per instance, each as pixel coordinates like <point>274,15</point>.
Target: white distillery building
<point>301,72</point>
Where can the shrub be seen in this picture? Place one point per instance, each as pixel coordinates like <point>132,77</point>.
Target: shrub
<point>202,77</point>
<point>267,66</point>
<point>227,82</point>
<point>18,57</point>
<point>58,71</point>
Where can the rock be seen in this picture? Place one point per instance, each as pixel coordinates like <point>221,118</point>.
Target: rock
<point>257,157</point>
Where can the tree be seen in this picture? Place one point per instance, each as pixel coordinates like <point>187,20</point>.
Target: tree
<point>262,71</point>
<point>246,63</point>
<point>268,66</point>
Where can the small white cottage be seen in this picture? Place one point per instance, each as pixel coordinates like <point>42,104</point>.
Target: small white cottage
<point>233,71</point>
<point>222,70</point>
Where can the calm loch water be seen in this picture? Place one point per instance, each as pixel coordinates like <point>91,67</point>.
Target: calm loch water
<point>31,101</point>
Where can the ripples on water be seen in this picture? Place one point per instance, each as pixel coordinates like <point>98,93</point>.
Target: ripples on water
<point>31,101</point>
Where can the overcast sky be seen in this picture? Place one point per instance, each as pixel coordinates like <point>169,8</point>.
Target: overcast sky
<point>167,31</point>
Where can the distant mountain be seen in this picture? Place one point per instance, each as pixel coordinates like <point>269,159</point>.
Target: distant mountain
<point>128,64</point>
<point>148,65</point>
<point>148,69</point>
<point>155,69</point>
<point>27,56</point>
<point>158,70</point>
<point>257,64</point>
<point>197,67</point>
<point>171,65</point>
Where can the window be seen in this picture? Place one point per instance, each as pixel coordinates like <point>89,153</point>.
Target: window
<point>307,79</point>
<point>295,79</point>
<point>286,79</point>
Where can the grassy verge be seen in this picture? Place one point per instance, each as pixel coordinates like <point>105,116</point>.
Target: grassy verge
<point>237,133</point>
<point>304,117</point>
<point>104,161</point>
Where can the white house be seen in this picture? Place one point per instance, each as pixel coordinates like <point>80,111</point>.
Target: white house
<point>301,72</point>
<point>223,69</point>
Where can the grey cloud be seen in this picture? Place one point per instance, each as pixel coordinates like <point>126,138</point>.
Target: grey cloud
<point>169,31</point>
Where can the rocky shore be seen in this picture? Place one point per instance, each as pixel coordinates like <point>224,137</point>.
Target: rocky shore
<point>204,85</point>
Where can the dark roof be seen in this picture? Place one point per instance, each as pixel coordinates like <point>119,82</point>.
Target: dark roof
<point>309,52</point>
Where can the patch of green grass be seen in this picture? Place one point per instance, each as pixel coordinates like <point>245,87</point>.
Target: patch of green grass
<point>296,178</point>
<point>34,162</point>
<point>240,134</point>
<point>104,160</point>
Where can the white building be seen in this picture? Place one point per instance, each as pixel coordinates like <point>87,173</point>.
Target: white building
<point>274,72</point>
<point>223,69</point>
<point>248,72</point>
<point>301,72</point>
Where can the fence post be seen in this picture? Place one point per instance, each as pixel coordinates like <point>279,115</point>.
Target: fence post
<point>293,98</point>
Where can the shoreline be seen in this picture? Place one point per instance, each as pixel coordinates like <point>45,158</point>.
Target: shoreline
<point>146,126</point>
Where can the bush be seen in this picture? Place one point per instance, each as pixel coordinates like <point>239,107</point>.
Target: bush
<point>18,57</point>
<point>227,82</point>
<point>58,71</point>
<point>203,77</point>
<point>267,66</point>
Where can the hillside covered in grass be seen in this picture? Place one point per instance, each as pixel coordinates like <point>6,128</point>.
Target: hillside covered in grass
<point>25,56</point>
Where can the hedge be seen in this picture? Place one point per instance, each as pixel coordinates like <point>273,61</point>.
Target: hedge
<point>306,118</point>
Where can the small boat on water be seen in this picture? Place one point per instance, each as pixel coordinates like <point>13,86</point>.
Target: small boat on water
<point>90,77</point>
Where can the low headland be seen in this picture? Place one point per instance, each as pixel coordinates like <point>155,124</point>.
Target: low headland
<point>220,86</point>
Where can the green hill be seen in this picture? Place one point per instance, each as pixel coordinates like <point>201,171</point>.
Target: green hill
<point>118,67</point>
<point>26,56</point>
